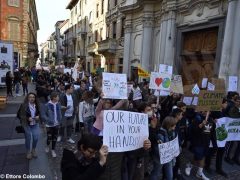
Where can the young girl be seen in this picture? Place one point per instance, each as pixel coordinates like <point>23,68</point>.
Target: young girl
<point>166,134</point>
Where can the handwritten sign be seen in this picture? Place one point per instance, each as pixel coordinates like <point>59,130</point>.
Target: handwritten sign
<point>168,151</point>
<point>176,84</point>
<point>124,130</point>
<point>163,68</point>
<point>114,86</point>
<point>210,100</point>
<point>160,81</point>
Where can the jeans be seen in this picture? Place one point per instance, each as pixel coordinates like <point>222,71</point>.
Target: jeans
<point>52,133</point>
<point>67,125</point>
<point>17,87</point>
<point>25,88</point>
<point>88,123</point>
<point>31,133</point>
<point>168,170</point>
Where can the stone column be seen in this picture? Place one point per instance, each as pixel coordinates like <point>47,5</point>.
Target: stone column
<point>127,47</point>
<point>170,39</point>
<point>235,53</point>
<point>147,43</point>
<point>227,42</point>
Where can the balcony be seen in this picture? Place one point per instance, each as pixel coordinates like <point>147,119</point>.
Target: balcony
<point>108,45</point>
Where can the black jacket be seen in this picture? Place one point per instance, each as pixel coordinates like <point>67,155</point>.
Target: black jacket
<point>72,169</point>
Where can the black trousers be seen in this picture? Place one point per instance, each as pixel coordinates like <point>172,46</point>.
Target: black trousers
<point>52,133</point>
<point>219,157</point>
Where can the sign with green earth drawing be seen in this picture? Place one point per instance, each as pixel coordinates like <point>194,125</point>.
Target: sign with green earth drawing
<point>227,129</point>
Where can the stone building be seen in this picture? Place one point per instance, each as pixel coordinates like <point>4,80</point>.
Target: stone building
<point>58,40</point>
<point>198,37</point>
<point>19,24</point>
<point>48,51</point>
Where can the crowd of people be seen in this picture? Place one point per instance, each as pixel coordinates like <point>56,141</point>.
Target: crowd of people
<point>66,106</point>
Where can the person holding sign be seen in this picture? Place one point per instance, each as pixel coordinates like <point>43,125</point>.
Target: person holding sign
<point>165,134</point>
<point>83,164</point>
<point>201,133</point>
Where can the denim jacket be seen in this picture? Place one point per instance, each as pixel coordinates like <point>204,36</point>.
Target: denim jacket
<point>49,116</point>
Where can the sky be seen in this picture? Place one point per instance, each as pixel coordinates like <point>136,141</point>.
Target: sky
<point>49,12</point>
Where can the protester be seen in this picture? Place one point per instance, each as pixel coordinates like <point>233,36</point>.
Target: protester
<point>84,164</point>
<point>25,83</point>
<point>17,81</point>
<point>9,83</point>
<point>52,118</point>
<point>68,102</point>
<point>29,118</point>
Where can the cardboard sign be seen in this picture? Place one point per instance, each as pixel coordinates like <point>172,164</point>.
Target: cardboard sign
<point>168,151</point>
<point>210,100</point>
<point>219,84</point>
<point>160,81</point>
<point>176,84</point>
<point>114,86</point>
<point>124,130</point>
<point>163,68</point>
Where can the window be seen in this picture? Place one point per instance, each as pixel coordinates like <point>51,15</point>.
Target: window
<point>89,39</point>
<point>15,3</point>
<point>90,16</point>
<point>102,6</point>
<point>97,10</point>
<point>96,36</point>
<point>114,29</point>
<point>76,10</point>
<point>101,31</point>
<point>120,61</point>
<point>107,32</point>
<point>120,69</point>
<point>80,5</point>
<point>115,2</point>
<point>14,30</point>
<point>122,30</point>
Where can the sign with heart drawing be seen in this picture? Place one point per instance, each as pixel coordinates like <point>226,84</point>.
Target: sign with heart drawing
<point>161,81</point>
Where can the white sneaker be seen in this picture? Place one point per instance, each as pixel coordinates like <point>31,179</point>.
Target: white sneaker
<point>59,138</point>
<point>54,154</point>
<point>47,149</point>
<point>201,176</point>
<point>71,141</point>
<point>188,170</point>
<point>18,94</point>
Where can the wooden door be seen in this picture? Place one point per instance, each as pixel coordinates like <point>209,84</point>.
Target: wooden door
<point>198,55</point>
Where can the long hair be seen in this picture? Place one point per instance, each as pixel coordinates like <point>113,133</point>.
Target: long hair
<point>25,102</point>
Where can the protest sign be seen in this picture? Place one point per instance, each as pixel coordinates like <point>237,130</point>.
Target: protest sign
<point>67,70</point>
<point>210,87</point>
<point>176,84</point>
<point>137,94</point>
<point>160,81</point>
<point>168,151</point>
<point>204,82</point>
<point>129,88</point>
<point>187,100</point>
<point>143,73</point>
<point>195,101</point>
<point>233,83</point>
<point>163,68</point>
<point>210,100</point>
<point>124,130</point>
<point>114,86</point>
<point>227,129</point>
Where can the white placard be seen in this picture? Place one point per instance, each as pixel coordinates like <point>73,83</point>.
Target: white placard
<point>168,151</point>
<point>76,86</point>
<point>233,83</point>
<point>210,87</point>
<point>114,86</point>
<point>66,70</point>
<point>164,93</point>
<point>227,129</point>
<point>163,68</point>
<point>176,84</point>
<point>204,82</point>
<point>124,130</point>
<point>187,100</point>
<point>195,101</point>
<point>160,81</point>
